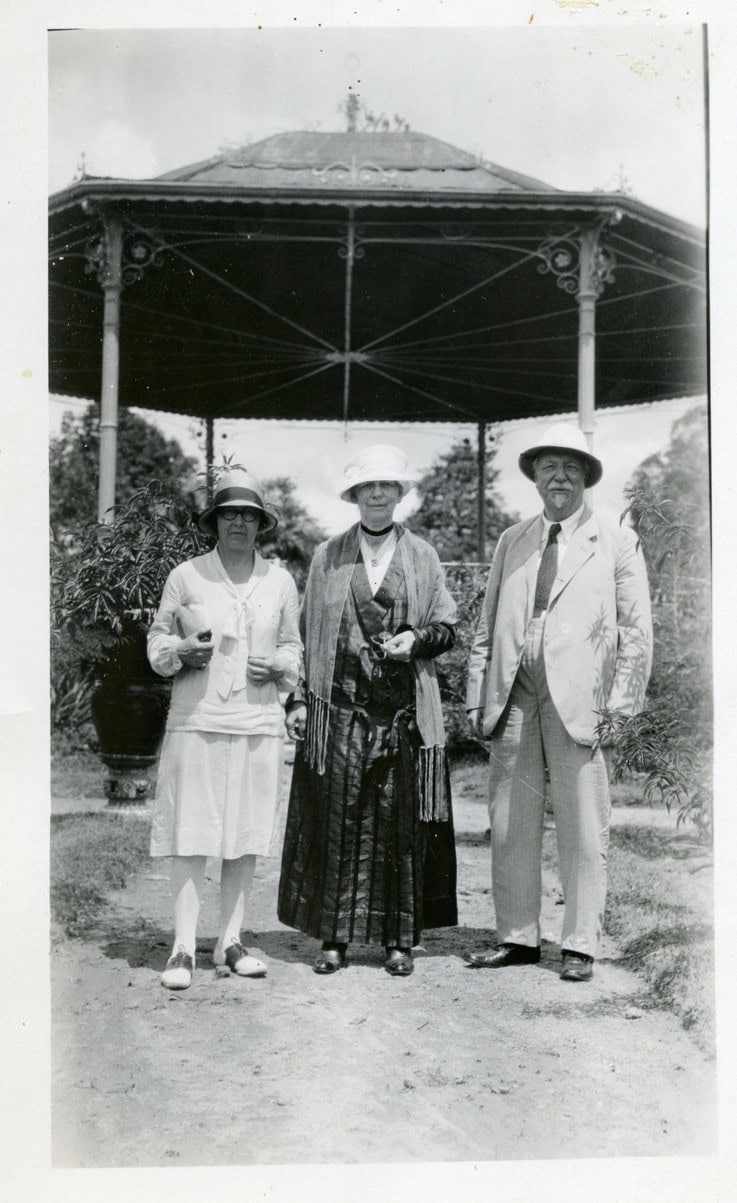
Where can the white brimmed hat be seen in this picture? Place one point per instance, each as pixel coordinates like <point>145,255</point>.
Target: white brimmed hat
<point>563,436</point>
<point>240,489</point>
<point>381,461</point>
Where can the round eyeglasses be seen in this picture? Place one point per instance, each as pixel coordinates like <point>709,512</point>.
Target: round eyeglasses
<point>229,513</point>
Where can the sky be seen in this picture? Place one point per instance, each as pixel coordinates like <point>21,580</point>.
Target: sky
<point>581,109</point>
<point>578,108</point>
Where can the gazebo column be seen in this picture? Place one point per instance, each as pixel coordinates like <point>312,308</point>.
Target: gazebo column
<point>209,455</point>
<point>481,490</point>
<point>113,269</point>
<point>350,254</point>
<point>588,291</point>
<point>111,280</point>
<point>582,266</point>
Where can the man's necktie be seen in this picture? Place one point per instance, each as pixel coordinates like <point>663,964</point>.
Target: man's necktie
<point>547,570</point>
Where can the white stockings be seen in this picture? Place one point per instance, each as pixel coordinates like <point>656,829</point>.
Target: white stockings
<point>187,877</point>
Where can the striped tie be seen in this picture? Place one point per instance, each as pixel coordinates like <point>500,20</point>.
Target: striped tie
<point>547,570</point>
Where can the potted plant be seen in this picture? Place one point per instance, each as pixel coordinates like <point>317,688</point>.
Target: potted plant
<point>104,594</point>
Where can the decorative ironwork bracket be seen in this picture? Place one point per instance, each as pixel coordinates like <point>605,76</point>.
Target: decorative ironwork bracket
<point>137,253</point>
<point>579,260</point>
<point>351,248</point>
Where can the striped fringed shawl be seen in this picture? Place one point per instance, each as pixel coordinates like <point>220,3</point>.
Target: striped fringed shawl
<point>428,600</point>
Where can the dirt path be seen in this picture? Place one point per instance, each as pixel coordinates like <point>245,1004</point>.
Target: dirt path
<point>451,1064</point>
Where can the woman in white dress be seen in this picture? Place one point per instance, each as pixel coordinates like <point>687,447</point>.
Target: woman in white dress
<point>227,630</point>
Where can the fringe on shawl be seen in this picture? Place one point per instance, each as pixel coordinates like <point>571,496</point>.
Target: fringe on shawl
<point>433,794</point>
<point>432,791</point>
<point>316,732</point>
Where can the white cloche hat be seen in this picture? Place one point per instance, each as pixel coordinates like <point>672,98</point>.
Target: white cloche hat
<point>380,461</point>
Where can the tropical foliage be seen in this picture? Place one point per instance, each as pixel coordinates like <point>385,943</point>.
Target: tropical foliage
<point>144,454</point>
<point>670,742</point>
<point>105,590</point>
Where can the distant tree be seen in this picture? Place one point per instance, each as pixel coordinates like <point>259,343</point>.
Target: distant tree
<point>447,516</point>
<point>668,503</point>
<point>297,535</point>
<point>144,454</point>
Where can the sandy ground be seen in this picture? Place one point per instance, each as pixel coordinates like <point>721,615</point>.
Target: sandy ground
<point>451,1064</point>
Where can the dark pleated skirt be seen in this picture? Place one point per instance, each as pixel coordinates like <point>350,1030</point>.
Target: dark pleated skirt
<point>358,865</point>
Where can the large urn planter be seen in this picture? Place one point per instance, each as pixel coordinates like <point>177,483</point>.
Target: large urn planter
<point>129,705</point>
<point>129,715</point>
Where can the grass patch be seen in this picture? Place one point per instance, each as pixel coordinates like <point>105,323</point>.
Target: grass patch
<point>78,772</point>
<point>91,855</point>
<point>660,912</point>
<point>659,902</point>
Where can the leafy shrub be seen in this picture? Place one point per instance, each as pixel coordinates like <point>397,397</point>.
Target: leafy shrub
<point>105,588</point>
<point>670,742</point>
<point>467,584</point>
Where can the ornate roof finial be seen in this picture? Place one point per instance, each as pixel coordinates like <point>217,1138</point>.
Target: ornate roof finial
<point>81,165</point>
<point>351,109</point>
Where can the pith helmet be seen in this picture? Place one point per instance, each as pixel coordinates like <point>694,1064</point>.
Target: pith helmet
<point>563,436</point>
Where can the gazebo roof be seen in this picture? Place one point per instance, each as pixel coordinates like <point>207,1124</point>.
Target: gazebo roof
<point>369,274</point>
<point>387,159</point>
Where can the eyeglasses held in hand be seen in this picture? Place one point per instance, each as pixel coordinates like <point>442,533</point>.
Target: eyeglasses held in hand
<point>377,643</point>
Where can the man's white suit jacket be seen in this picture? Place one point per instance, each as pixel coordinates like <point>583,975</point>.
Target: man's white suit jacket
<point>598,630</point>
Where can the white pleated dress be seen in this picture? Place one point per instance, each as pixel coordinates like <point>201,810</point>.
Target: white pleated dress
<point>220,766</point>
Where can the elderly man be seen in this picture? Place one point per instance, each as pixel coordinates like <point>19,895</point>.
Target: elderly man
<point>565,632</point>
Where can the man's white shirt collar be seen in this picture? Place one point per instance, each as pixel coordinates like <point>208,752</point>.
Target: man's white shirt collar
<point>567,526</point>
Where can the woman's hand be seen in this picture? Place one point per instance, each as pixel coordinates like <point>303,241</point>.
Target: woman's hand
<point>196,651</point>
<point>400,646</point>
<point>262,669</point>
<point>296,721</point>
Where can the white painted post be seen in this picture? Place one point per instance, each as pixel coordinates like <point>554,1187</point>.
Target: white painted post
<point>112,284</point>
<point>588,291</point>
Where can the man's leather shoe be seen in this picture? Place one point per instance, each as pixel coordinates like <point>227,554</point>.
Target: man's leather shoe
<point>505,954</point>
<point>577,967</point>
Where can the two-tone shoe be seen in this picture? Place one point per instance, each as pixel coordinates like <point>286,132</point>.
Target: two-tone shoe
<point>239,961</point>
<point>178,972</point>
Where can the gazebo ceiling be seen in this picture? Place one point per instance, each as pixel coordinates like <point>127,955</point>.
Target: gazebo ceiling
<point>372,276</point>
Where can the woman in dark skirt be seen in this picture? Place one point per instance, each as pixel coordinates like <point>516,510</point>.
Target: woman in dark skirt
<point>369,853</point>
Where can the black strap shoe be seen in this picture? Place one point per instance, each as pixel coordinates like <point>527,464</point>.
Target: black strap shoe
<point>399,962</point>
<point>331,958</point>
<point>505,954</point>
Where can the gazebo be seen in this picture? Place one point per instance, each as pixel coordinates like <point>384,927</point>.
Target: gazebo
<point>367,275</point>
